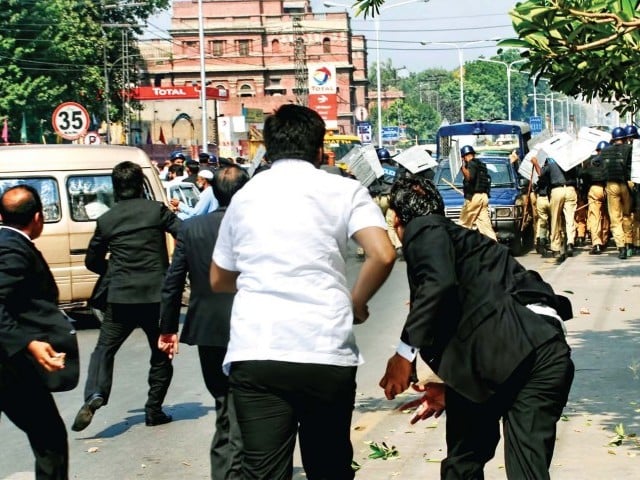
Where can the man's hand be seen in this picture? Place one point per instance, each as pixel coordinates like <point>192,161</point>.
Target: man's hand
<point>432,403</point>
<point>396,378</point>
<point>46,356</point>
<point>360,314</point>
<point>175,202</point>
<point>168,343</point>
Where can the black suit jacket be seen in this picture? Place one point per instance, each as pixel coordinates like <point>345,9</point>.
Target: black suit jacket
<point>468,306</point>
<point>209,313</point>
<point>28,294</point>
<point>133,232</point>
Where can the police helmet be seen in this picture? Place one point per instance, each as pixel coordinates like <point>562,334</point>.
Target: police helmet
<point>467,149</point>
<point>176,155</point>
<point>631,131</point>
<point>618,133</point>
<point>602,144</point>
<point>383,154</point>
<point>204,157</point>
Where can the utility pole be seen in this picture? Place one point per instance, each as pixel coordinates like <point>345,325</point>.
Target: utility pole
<point>300,61</point>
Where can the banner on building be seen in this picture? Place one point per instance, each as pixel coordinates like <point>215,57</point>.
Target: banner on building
<point>183,92</point>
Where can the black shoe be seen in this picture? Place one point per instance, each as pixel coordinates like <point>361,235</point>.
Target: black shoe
<point>595,250</point>
<point>85,414</point>
<point>151,419</point>
<point>540,246</point>
<point>570,250</point>
<point>629,248</point>
<point>399,254</point>
<point>580,242</point>
<point>622,253</point>
<point>559,257</point>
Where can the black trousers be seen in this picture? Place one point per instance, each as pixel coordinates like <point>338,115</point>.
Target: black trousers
<point>277,400</point>
<point>226,446</point>
<point>119,321</point>
<point>31,407</point>
<point>530,404</point>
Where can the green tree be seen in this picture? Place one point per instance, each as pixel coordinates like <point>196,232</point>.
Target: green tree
<point>52,52</point>
<point>584,47</point>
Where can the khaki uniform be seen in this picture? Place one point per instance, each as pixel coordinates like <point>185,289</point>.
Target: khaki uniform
<point>597,218</point>
<point>563,202</point>
<point>619,206</point>
<point>475,213</point>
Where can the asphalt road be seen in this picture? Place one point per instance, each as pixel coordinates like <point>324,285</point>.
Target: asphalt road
<point>117,445</point>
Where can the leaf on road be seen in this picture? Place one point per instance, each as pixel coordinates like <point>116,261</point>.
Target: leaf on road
<point>584,311</point>
<point>93,450</point>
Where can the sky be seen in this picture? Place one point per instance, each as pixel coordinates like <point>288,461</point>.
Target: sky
<point>404,27</point>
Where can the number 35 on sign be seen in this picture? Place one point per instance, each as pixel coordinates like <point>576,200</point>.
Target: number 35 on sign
<point>70,120</point>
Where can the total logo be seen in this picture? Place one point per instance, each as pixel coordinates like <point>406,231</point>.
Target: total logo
<point>321,76</point>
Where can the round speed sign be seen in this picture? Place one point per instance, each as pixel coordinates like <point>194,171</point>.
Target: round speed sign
<point>70,120</point>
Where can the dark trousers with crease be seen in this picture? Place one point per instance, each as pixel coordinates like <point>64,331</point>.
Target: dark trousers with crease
<point>226,446</point>
<point>30,406</point>
<point>276,401</point>
<point>119,321</point>
<point>530,404</point>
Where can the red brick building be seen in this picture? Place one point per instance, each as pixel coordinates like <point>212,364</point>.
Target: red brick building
<point>250,51</point>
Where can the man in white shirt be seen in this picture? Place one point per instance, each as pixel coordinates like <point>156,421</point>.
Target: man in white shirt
<point>292,355</point>
<point>207,202</point>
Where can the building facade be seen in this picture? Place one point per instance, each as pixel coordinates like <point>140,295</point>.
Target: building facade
<point>258,51</point>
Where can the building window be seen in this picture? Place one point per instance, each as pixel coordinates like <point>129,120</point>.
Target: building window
<point>243,48</point>
<point>216,47</point>
<point>191,45</point>
<point>245,90</point>
<point>275,46</point>
<point>326,45</point>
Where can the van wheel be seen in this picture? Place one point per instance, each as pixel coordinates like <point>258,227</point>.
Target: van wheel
<point>522,241</point>
<point>97,314</point>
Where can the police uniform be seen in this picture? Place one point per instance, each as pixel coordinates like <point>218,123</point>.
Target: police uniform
<point>543,211</point>
<point>563,200</point>
<point>617,161</point>
<point>475,211</point>
<point>594,176</point>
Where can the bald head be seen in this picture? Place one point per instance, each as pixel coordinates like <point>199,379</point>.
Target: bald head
<point>19,207</point>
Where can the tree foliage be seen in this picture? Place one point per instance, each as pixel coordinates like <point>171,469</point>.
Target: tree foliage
<point>584,47</point>
<point>52,51</point>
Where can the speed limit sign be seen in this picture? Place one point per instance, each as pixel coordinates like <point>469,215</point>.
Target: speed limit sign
<point>70,120</point>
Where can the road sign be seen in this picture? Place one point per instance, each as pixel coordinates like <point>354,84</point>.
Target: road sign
<point>536,125</point>
<point>390,133</point>
<point>70,120</point>
<point>364,131</point>
<point>92,138</point>
<point>361,113</point>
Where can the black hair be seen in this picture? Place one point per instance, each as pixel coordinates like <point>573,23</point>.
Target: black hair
<point>20,213</point>
<point>294,131</point>
<point>178,170</point>
<point>227,181</point>
<point>128,181</point>
<point>413,197</point>
<point>193,166</point>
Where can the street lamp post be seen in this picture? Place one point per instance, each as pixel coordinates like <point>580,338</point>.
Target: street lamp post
<point>376,20</point>
<point>508,65</point>
<point>460,49</point>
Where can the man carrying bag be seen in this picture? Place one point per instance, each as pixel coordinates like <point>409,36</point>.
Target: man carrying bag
<point>29,320</point>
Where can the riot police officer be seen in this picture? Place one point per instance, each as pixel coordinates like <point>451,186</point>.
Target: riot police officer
<point>617,163</point>
<point>594,177</point>
<point>476,187</point>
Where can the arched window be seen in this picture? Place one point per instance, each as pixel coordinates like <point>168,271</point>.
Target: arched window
<point>275,46</point>
<point>245,90</point>
<point>326,45</point>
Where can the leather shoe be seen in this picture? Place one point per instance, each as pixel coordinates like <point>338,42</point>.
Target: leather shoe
<point>85,414</point>
<point>151,419</point>
<point>559,257</point>
<point>595,250</point>
<point>570,250</point>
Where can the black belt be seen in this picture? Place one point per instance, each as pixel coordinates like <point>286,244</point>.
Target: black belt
<point>563,185</point>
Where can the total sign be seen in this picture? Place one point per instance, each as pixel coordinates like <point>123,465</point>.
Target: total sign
<point>70,120</point>
<point>322,78</point>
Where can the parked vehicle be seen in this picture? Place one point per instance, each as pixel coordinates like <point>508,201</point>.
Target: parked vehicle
<point>74,182</point>
<point>510,211</point>
<point>186,192</point>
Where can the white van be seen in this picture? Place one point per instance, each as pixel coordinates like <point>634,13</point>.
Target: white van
<point>75,186</point>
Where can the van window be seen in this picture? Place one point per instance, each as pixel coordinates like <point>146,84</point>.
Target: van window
<point>89,196</point>
<point>48,190</point>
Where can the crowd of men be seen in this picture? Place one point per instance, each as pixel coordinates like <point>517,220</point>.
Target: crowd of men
<point>592,202</point>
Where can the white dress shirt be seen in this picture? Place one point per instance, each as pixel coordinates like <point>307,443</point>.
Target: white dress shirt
<point>287,232</point>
